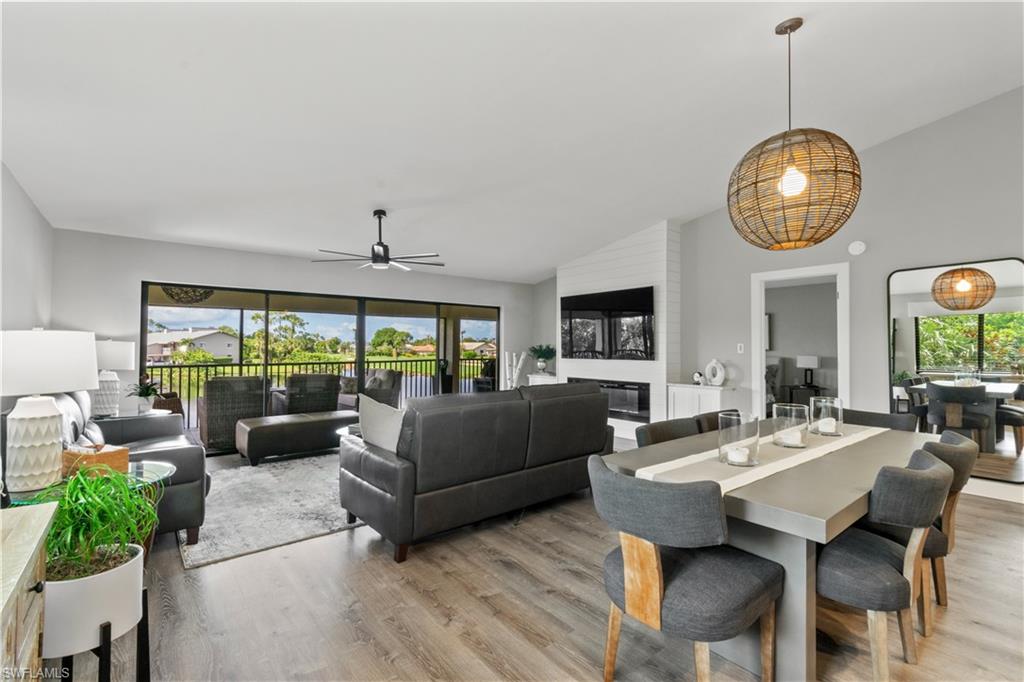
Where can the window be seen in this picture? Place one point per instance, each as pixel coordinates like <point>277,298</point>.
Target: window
<point>992,342</point>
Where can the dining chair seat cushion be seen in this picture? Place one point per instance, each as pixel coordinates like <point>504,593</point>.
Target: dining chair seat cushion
<point>711,593</point>
<point>1010,415</point>
<point>969,420</point>
<point>936,544</point>
<point>864,570</point>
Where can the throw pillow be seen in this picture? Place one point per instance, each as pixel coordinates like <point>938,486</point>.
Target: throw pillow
<point>380,424</point>
<point>376,381</point>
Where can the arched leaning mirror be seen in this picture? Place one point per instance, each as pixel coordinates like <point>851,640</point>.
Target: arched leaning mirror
<point>958,325</point>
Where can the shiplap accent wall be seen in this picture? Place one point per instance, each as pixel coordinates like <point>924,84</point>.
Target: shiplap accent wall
<point>650,257</point>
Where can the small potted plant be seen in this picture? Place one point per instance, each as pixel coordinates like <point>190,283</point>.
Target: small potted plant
<point>94,555</point>
<point>542,353</point>
<point>146,391</point>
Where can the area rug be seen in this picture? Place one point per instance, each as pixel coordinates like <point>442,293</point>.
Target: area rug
<point>252,509</point>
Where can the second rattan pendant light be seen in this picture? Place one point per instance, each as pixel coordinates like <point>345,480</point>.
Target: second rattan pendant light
<point>797,188</point>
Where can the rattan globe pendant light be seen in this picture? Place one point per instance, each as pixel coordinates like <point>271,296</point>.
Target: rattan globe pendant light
<point>963,289</point>
<point>797,188</point>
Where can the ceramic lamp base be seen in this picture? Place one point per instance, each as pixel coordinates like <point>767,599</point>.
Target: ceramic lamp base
<point>106,400</point>
<point>34,447</point>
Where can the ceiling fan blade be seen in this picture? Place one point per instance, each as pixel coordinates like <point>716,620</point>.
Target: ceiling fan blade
<point>416,255</point>
<point>337,260</point>
<point>399,266</point>
<point>342,253</point>
<point>365,266</point>
<point>419,262</point>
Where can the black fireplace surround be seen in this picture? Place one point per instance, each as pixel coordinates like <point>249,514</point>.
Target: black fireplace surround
<point>629,400</point>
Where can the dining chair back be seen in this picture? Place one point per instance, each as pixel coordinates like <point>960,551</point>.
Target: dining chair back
<point>670,429</point>
<point>898,422</point>
<point>918,401</point>
<point>671,561</point>
<point>946,408</point>
<point>708,421</point>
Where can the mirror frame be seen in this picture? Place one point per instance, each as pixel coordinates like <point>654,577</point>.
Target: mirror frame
<point>888,309</point>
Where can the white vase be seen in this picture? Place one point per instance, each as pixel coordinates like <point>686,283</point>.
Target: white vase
<point>542,365</point>
<point>146,404</point>
<point>75,609</point>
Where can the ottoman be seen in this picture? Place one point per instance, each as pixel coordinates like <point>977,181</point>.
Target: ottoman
<point>289,434</point>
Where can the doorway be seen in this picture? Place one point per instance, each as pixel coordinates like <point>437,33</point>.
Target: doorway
<point>800,344</point>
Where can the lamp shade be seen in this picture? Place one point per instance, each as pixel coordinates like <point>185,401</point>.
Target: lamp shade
<point>963,289</point>
<point>45,361</point>
<point>115,354</point>
<point>807,361</point>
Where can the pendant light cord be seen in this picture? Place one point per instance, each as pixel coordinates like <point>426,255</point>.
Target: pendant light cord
<point>789,76</point>
<point>380,230</point>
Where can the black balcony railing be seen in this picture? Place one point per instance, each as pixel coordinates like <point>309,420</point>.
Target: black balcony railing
<point>419,376</point>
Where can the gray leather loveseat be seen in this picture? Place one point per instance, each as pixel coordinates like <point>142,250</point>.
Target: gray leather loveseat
<point>465,457</point>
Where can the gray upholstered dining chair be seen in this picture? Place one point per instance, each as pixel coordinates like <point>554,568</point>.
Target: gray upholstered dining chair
<point>870,572</point>
<point>659,432</point>
<point>898,422</point>
<point>918,401</point>
<point>1013,416</point>
<point>946,409</point>
<point>708,421</point>
<point>673,571</point>
<point>960,453</point>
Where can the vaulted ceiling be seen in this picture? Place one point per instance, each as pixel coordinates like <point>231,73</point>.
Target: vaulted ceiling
<point>508,137</point>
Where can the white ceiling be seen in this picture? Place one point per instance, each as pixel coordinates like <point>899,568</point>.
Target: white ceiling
<point>510,138</point>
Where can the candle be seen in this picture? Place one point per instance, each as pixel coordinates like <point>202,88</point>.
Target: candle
<point>827,425</point>
<point>791,437</point>
<point>737,455</point>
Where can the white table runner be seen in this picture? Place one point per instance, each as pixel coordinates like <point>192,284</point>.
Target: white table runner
<point>705,466</point>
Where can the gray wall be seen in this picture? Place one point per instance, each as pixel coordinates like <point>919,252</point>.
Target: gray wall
<point>545,315</point>
<point>26,254</point>
<point>804,323</point>
<point>950,191</point>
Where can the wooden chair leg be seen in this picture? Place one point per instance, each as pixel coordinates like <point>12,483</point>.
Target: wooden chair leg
<point>879,637</point>
<point>976,436</point>
<point>939,571</point>
<point>906,622</point>
<point>1018,439</point>
<point>925,610</point>
<point>702,661</point>
<point>611,644</point>
<point>768,644</point>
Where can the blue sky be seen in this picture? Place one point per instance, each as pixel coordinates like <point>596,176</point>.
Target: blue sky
<point>325,324</point>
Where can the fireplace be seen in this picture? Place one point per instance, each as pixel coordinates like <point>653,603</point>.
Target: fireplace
<point>629,400</point>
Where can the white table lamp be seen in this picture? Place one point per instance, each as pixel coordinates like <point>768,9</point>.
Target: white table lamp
<point>110,356</point>
<point>33,363</point>
<point>808,363</point>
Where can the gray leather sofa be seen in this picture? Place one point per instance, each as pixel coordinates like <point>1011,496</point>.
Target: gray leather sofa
<point>465,457</point>
<point>158,437</point>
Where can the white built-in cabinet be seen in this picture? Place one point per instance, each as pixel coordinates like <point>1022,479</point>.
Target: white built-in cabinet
<point>688,400</point>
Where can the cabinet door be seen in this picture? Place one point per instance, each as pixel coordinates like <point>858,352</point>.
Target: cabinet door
<point>710,400</point>
<point>683,402</point>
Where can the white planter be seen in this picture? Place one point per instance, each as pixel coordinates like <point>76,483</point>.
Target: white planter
<point>75,609</point>
<point>146,404</point>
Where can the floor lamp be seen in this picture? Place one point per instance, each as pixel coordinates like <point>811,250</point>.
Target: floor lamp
<point>32,364</point>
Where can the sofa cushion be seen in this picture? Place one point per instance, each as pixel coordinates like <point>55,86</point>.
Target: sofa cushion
<point>565,426</point>
<point>455,441</point>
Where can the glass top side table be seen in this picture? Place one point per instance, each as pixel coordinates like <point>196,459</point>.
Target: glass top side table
<point>142,473</point>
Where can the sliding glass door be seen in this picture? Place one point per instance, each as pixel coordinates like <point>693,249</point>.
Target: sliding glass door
<point>192,333</point>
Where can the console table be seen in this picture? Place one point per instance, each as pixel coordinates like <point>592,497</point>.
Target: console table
<point>23,571</point>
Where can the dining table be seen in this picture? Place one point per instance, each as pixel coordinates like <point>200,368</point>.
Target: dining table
<point>994,393</point>
<point>784,508</point>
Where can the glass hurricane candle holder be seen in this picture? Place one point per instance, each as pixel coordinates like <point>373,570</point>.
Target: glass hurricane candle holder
<point>738,436</point>
<point>826,415</point>
<point>790,425</point>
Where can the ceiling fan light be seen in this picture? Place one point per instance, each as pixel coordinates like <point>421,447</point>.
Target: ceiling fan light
<point>379,265</point>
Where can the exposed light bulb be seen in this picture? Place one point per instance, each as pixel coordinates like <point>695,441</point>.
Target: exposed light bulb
<point>963,286</point>
<point>380,266</point>
<point>792,182</point>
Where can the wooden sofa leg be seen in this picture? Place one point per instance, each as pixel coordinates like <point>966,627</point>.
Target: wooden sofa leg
<point>702,661</point>
<point>349,517</point>
<point>401,551</point>
<point>192,535</point>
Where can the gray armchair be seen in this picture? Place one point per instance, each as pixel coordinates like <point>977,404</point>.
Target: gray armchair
<point>225,400</point>
<point>154,437</point>
<point>307,393</point>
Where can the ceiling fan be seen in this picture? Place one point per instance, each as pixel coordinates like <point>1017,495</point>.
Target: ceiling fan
<point>380,257</point>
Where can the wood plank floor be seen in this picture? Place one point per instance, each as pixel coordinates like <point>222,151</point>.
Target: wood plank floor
<point>519,599</point>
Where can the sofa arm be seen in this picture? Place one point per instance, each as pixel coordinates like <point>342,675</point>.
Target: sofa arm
<point>129,429</point>
<point>377,486</point>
